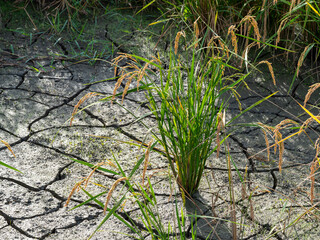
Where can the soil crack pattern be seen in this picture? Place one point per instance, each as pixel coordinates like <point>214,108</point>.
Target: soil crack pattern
<point>43,77</point>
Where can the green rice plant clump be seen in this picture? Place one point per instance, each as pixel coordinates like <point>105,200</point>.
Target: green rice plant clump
<point>188,100</point>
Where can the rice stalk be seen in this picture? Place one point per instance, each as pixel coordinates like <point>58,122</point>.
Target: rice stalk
<point>292,4</point>
<point>251,209</point>
<point>176,41</point>
<point>270,70</point>
<point>311,90</point>
<point>301,58</point>
<point>278,138</point>
<point>254,24</point>
<point>8,146</point>
<point>308,121</point>
<point>282,23</point>
<point>243,185</point>
<point>231,31</point>
<point>81,101</point>
<point>114,185</point>
<point>266,13</point>
<point>75,188</point>
<point>267,143</point>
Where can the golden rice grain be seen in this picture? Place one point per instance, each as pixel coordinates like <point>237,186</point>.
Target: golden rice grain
<point>84,98</point>
<point>224,47</point>
<point>176,41</point>
<point>254,24</point>
<point>301,58</point>
<point>311,90</point>
<point>278,137</point>
<point>111,191</point>
<point>8,146</point>
<point>270,70</point>
<point>76,187</point>
<point>282,23</point>
<point>308,121</point>
<point>231,31</point>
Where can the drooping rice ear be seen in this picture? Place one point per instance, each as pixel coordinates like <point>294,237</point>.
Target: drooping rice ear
<point>282,23</point>
<point>196,29</point>
<point>231,31</point>
<point>278,138</point>
<point>176,41</point>
<point>114,185</point>
<point>254,24</point>
<point>308,121</point>
<point>301,58</point>
<point>82,100</point>
<point>75,188</point>
<point>311,90</point>
<point>8,146</point>
<point>270,70</point>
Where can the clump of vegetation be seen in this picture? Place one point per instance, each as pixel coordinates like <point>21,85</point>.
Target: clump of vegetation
<point>188,93</point>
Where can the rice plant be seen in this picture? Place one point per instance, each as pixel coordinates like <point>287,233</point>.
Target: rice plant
<point>188,101</point>
<point>10,149</point>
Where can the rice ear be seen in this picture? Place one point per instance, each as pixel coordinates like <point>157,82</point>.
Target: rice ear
<point>196,31</point>
<point>311,90</point>
<point>8,146</point>
<point>114,185</point>
<point>308,121</point>
<point>282,23</point>
<point>231,31</point>
<point>254,24</point>
<point>270,70</point>
<point>278,138</point>
<point>82,100</point>
<point>75,188</point>
<point>176,41</point>
<point>301,58</point>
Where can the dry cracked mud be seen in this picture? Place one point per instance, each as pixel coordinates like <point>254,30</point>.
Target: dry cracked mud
<point>37,97</point>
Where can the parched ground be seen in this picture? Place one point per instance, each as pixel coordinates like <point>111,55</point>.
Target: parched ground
<point>40,83</point>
